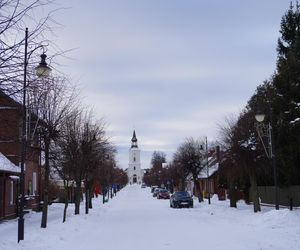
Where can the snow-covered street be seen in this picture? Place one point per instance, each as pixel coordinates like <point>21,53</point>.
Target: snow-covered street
<point>135,220</point>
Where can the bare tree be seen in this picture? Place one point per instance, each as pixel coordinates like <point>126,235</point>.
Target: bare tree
<point>190,156</point>
<point>94,145</point>
<point>177,176</point>
<point>63,169</point>
<point>229,166</point>
<point>240,158</point>
<point>15,16</point>
<point>51,101</point>
<point>84,146</point>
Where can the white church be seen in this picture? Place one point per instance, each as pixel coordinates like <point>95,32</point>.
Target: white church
<point>134,171</point>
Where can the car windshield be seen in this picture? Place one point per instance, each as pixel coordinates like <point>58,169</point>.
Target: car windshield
<point>163,191</point>
<point>182,194</point>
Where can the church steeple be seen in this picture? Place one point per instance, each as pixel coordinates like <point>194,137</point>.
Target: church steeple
<point>134,172</point>
<point>134,140</point>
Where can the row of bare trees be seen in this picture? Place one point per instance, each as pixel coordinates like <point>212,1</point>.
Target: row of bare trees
<point>189,159</point>
<point>74,144</point>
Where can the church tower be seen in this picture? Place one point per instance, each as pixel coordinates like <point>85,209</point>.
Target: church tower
<point>134,171</point>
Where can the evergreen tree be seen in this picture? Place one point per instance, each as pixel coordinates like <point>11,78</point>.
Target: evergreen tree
<point>286,104</point>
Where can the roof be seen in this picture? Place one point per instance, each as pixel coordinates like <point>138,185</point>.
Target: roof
<point>134,139</point>
<point>13,102</point>
<point>7,166</point>
<point>211,170</point>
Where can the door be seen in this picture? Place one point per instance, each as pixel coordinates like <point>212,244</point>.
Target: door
<point>134,178</point>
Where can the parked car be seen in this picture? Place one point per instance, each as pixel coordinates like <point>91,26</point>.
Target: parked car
<point>181,199</point>
<point>153,188</point>
<point>163,194</point>
<point>143,185</point>
<point>156,190</point>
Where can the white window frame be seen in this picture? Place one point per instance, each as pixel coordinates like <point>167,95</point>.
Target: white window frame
<point>34,183</point>
<point>11,196</point>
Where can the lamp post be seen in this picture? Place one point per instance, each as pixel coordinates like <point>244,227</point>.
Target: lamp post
<point>42,70</point>
<point>266,130</point>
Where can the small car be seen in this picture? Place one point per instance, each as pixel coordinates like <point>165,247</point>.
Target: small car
<point>156,190</point>
<point>181,199</point>
<point>163,194</point>
<point>143,185</point>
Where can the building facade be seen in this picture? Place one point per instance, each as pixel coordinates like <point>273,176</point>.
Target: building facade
<point>10,149</point>
<point>9,180</point>
<point>134,171</point>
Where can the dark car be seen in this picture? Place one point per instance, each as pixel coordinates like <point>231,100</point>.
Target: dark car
<point>163,194</point>
<point>181,199</point>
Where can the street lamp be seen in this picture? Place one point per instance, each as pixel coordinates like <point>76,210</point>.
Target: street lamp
<point>42,71</point>
<point>265,130</point>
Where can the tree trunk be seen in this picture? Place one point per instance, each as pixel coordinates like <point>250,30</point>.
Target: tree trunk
<point>198,189</point>
<point>246,195</point>
<point>87,197</point>
<point>90,198</point>
<point>66,203</point>
<point>254,193</point>
<point>182,184</point>
<point>46,185</point>
<point>232,193</point>
<point>77,197</point>
<point>90,194</point>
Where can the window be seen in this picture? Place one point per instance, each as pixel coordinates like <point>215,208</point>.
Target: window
<point>133,168</point>
<point>29,191</point>
<point>34,189</point>
<point>134,159</point>
<point>11,197</point>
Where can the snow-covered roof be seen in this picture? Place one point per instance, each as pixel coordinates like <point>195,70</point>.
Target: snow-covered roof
<point>7,165</point>
<point>211,170</point>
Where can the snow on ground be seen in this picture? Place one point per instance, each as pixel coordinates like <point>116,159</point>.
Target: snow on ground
<point>135,220</point>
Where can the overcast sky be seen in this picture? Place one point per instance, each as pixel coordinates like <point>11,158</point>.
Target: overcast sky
<point>169,69</point>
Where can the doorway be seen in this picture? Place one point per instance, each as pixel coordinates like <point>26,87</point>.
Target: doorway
<point>134,180</point>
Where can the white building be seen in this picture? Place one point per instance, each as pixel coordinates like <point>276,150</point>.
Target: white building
<point>134,171</point>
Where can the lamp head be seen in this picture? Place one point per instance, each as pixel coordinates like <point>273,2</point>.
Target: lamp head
<point>260,117</point>
<point>43,70</point>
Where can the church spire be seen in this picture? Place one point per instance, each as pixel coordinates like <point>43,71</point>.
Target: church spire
<point>134,140</point>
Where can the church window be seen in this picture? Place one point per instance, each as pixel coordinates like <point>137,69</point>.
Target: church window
<point>133,158</point>
<point>133,168</point>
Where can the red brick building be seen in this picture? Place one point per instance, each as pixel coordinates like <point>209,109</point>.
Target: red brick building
<point>9,180</point>
<point>10,147</point>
